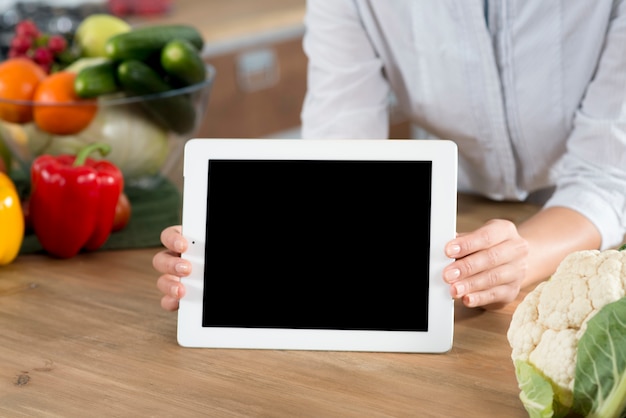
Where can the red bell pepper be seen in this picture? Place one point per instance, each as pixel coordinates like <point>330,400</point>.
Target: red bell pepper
<point>73,200</point>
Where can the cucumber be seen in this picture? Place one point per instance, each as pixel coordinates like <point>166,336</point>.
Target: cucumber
<point>97,80</point>
<point>140,43</point>
<point>182,62</point>
<point>175,112</point>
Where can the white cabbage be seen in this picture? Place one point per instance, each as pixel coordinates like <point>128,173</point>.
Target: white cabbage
<point>139,147</point>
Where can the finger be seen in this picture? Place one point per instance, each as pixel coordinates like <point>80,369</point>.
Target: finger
<point>168,262</point>
<point>171,286</point>
<point>172,239</point>
<point>169,304</point>
<point>495,297</point>
<point>507,252</point>
<point>505,275</point>
<point>488,235</point>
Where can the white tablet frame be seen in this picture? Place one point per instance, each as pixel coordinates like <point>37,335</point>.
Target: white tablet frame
<point>437,339</point>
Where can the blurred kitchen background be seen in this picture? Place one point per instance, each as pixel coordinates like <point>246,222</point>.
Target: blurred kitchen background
<point>63,16</point>
<point>255,46</point>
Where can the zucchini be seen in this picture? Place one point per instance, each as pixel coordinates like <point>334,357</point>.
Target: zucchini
<point>175,112</point>
<point>182,62</point>
<point>96,80</point>
<point>140,43</point>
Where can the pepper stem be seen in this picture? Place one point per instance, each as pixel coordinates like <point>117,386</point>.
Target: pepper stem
<point>82,155</point>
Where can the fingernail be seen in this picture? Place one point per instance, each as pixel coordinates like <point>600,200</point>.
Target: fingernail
<point>182,268</point>
<point>452,275</point>
<point>174,291</point>
<point>460,289</point>
<point>453,250</point>
<point>178,246</point>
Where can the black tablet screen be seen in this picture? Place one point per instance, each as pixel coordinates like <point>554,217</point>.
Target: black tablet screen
<point>318,244</point>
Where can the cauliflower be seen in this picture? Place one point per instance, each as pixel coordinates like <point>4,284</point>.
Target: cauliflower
<point>547,327</point>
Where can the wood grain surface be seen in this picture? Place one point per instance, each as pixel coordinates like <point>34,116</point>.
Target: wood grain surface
<point>87,337</point>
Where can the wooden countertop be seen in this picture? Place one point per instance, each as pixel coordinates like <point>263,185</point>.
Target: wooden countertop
<point>87,337</point>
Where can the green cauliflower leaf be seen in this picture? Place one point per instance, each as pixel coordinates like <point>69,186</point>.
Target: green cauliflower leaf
<point>600,382</point>
<point>537,392</point>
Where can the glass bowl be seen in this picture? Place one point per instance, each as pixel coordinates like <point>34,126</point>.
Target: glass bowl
<point>146,133</point>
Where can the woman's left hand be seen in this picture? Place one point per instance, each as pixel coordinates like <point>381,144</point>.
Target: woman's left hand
<point>490,265</point>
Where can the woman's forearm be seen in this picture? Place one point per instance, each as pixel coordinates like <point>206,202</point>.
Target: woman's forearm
<point>552,234</point>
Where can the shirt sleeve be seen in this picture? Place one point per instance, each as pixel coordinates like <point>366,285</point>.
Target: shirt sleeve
<point>347,93</point>
<point>592,175</point>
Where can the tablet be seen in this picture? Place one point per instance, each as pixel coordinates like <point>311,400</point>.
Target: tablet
<point>318,244</point>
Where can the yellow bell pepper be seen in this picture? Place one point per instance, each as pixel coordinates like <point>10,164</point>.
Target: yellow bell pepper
<point>11,221</point>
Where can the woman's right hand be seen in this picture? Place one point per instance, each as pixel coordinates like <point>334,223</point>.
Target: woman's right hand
<point>172,267</point>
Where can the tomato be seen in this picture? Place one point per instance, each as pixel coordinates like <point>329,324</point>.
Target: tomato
<point>28,224</point>
<point>122,213</point>
<point>5,159</point>
<point>19,77</point>
<point>5,154</point>
<point>58,110</point>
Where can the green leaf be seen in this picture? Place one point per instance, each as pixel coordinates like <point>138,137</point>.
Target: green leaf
<point>600,382</point>
<point>537,393</point>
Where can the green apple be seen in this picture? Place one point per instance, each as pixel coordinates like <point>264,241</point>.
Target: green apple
<point>93,32</point>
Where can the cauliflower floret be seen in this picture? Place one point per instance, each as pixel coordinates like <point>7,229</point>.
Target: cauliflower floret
<point>549,322</point>
<point>560,368</point>
<point>528,329</point>
<point>607,286</point>
<point>564,302</point>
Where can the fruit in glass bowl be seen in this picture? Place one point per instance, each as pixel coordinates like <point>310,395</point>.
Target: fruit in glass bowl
<point>143,91</point>
<point>146,132</point>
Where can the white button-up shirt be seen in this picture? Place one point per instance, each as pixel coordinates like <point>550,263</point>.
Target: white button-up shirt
<point>532,91</point>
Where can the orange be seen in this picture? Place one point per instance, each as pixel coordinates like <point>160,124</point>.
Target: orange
<point>58,110</point>
<point>18,79</point>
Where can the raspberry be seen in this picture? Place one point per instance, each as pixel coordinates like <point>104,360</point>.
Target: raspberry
<point>27,29</point>
<point>43,56</point>
<point>21,44</point>
<point>57,44</point>
<point>43,48</point>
